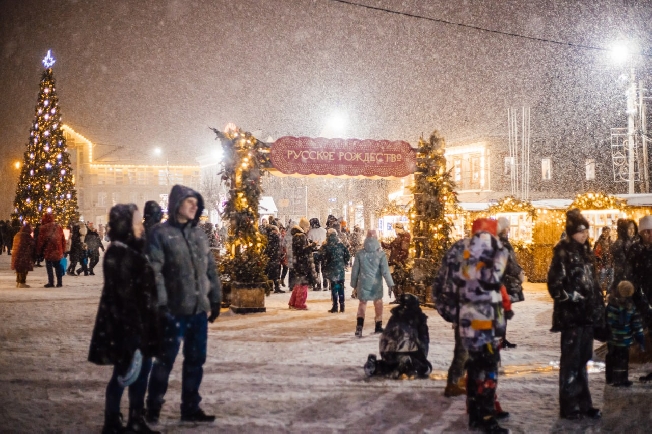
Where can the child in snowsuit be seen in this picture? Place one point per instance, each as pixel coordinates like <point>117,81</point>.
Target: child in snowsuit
<point>624,323</point>
<point>404,343</point>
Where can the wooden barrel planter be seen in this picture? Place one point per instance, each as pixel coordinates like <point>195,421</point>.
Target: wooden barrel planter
<point>248,297</point>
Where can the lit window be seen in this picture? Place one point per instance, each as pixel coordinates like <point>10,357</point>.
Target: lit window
<point>546,169</point>
<point>590,169</point>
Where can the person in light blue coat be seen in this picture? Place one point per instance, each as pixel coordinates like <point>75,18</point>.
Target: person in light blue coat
<point>369,269</point>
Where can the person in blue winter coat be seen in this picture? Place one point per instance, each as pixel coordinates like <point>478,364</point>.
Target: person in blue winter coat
<point>369,269</point>
<point>334,257</point>
<point>625,325</point>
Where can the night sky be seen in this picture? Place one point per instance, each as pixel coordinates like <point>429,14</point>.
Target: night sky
<point>145,74</point>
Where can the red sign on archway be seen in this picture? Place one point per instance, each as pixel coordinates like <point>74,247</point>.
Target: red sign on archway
<point>343,157</point>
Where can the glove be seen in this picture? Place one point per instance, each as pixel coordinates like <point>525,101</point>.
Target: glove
<point>509,314</point>
<point>215,312</point>
<point>390,290</point>
<point>641,342</point>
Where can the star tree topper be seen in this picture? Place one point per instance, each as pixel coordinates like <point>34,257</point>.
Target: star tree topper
<point>48,60</point>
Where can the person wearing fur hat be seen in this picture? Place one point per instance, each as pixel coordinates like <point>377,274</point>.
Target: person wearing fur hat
<point>625,325</point>
<point>578,308</point>
<point>334,257</point>
<point>302,273</point>
<point>369,269</point>
<point>514,275</point>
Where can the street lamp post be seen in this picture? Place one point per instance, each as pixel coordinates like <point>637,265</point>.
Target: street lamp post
<point>631,129</point>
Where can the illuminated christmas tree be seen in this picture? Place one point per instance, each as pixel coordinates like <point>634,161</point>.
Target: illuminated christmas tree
<point>242,268</point>
<point>434,197</point>
<point>46,181</point>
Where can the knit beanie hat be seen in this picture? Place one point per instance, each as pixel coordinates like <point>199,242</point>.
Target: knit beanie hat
<point>398,228</point>
<point>485,225</point>
<point>503,223</point>
<point>575,222</point>
<point>304,224</point>
<point>371,233</point>
<point>645,223</point>
<point>625,289</point>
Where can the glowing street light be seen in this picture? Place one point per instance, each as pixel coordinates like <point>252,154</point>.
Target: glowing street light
<point>17,164</point>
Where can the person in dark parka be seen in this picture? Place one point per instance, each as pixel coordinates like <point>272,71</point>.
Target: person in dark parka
<point>334,258</point>
<point>152,215</point>
<point>514,275</point>
<point>94,244</point>
<point>189,288</point>
<point>404,342</point>
<point>578,306</point>
<point>626,231</point>
<point>126,318</point>
<point>273,253</point>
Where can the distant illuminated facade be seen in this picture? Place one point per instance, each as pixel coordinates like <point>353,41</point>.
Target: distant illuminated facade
<point>100,186</point>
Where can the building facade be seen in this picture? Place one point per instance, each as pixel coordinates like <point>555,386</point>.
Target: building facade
<point>101,185</point>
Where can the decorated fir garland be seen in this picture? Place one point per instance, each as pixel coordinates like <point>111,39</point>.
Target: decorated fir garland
<point>393,208</point>
<point>597,201</point>
<point>512,204</point>
<point>245,161</point>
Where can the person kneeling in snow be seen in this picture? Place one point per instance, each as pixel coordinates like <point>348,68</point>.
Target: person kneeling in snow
<point>404,343</point>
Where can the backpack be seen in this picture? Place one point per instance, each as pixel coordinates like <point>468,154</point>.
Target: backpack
<point>444,290</point>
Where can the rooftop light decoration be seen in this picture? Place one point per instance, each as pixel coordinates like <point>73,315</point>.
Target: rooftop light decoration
<point>597,201</point>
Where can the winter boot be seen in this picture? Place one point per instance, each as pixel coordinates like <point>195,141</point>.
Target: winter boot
<point>454,389</point>
<point>490,426</point>
<point>370,366</point>
<point>334,308</point>
<point>379,327</point>
<point>137,424</point>
<point>90,271</point>
<point>646,378</point>
<point>112,423</point>
<point>358,327</point>
<point>341,307</point>
<point>152,415</point>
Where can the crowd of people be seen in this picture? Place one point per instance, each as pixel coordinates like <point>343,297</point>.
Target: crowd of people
<point>161,287</point>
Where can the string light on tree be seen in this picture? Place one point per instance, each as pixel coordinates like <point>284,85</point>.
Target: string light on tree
<point>39,187</point>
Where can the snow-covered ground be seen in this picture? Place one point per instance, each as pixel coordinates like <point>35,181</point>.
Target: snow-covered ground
<point>283,371</point>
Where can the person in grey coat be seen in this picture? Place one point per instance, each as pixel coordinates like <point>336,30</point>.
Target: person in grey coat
<point>188,288</point>
<point>369,269</point>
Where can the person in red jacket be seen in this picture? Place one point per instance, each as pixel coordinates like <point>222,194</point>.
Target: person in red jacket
<point>50,245</point>
<point>23,258</point>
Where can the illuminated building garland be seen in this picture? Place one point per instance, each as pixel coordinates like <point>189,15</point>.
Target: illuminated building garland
<point>596,201</point>
<point>46,183</point>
